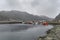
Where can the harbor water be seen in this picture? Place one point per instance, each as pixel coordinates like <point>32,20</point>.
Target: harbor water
<point>22,31</point>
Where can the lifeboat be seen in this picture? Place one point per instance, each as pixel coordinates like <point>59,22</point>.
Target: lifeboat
<point>45,23</point>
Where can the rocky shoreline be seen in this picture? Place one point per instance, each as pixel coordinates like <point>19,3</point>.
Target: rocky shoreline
<point>53,34</point>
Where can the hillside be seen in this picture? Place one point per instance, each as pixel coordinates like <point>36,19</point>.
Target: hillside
<point>18,15</point>
<point>58,17</point>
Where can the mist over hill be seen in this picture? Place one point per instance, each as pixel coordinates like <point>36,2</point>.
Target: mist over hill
<point>18,15</point>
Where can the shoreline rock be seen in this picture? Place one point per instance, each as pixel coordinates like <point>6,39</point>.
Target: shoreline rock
<point>53,34</point>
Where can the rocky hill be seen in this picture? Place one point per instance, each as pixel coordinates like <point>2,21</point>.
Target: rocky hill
<point>58,17</point>
<point>18,15</point>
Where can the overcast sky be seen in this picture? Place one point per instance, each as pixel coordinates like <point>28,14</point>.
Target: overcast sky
<point>50,8</point>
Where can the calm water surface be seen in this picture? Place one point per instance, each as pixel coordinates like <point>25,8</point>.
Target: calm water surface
<point>22,31</point>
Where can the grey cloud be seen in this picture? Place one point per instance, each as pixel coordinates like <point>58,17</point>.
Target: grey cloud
<point>47,7</point>
<point>12,2</point>
<point>37,7</point>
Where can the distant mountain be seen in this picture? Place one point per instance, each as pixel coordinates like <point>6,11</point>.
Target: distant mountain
<point>46,18</point>
<point>58,17</point>
<point>18,15</point>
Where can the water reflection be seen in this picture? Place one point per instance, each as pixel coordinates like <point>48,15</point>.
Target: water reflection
<point>25,32</point>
